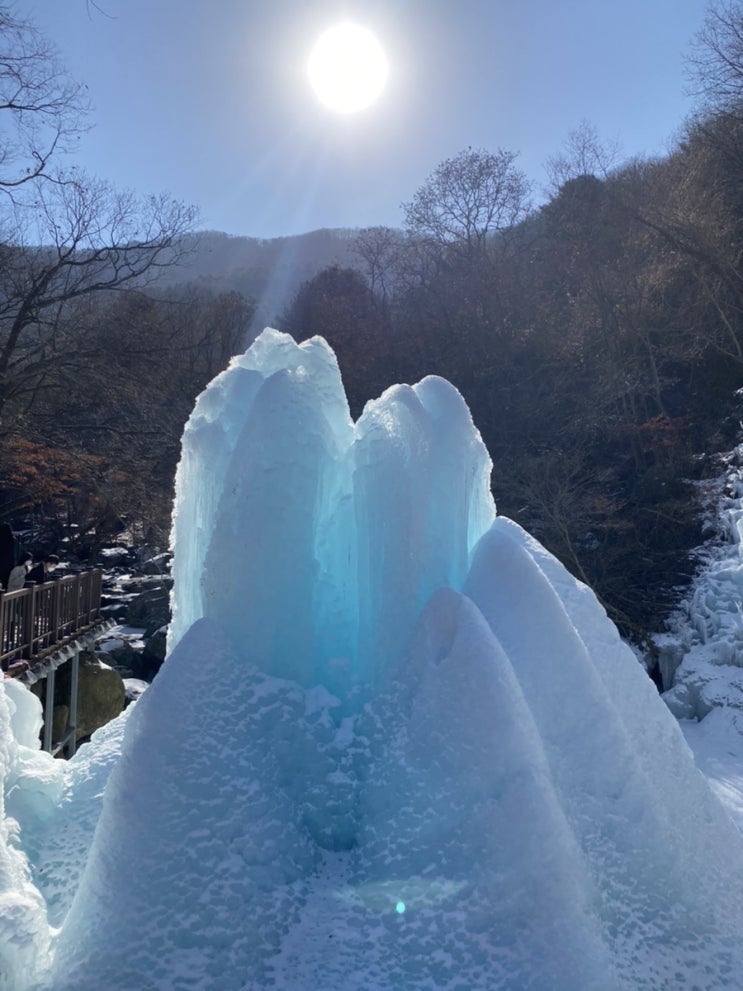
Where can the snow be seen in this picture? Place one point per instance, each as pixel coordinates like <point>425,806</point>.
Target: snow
<point>717,743</point>
<point>394,744</point>
<point>114,553</point>
<point>134,687</point>
<point>48,812</point>
<point>29,785</point>
<point>701,655</point>
<point>58,846</point>
<point>119,636</point>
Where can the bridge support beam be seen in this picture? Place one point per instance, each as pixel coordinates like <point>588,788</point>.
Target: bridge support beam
<point>72,719</point>
<point>45,669</point>
<point>49,710</point>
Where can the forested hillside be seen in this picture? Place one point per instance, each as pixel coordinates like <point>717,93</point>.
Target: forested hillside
<point>595,332</point>
<point>597,339</point>
<point>597,342</point>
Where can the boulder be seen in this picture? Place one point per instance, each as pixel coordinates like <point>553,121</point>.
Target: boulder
<point>112,555</point>
<point>139,584</point>
<point>101,694</point>
<point>59,721</point>
<point>100,697</point>
<point>153,655</point>
<point>155,647</point>
<point>150,610</point>
<point>115,610</point>
<point>124,656</point>
<point>158,565</point>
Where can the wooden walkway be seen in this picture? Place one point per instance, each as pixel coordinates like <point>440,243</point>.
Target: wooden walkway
<point>44,626</point>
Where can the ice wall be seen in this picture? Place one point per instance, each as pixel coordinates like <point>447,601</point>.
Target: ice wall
<point>313,541</point>
<point>512,808</point>
<point>701,655</point>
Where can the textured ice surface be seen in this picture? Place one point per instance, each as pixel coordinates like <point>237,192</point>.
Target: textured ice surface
<point>31,784</point>
<point>394,744</point>
<point>60,843</point>
<point>470,828</point>
<point>701,656</point>
<point>312,541</point>
<point>48,812</point>
<point>717,744</point>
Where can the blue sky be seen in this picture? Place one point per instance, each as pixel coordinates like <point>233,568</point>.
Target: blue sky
<point>210,101</point>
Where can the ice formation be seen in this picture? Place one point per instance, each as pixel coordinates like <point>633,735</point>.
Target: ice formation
<point>394,745</point>
<point>313,547</point>
<point>701,656</point>
<point>48,812</point>
<point>25,938</point>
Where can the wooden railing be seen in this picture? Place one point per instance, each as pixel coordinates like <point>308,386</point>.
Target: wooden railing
<point>37,620</point>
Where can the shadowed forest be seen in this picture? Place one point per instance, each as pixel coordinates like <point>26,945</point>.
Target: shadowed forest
<point>595,328</point>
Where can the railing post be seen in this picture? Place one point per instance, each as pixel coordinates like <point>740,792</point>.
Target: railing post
<point>96,592</point>
<point>28,624</point>
<point>49,711</point>
<point>56,612</point>
<point>76,600</point>
<point>88,596</point>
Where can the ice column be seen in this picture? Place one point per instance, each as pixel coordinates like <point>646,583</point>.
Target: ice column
<point>311,541</point>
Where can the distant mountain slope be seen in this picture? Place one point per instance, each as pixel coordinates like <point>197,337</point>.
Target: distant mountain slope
<point>266,271</point>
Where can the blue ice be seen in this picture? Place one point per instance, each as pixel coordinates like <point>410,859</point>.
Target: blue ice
<point>395,744</point>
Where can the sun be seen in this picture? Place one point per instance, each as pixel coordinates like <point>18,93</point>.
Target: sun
<point>347,68</point>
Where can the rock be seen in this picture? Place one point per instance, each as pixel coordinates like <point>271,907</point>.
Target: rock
<point>124,659</point>
<point>100,697</point>
<point>131,655</point>
<point>159,565</point>
<point>140,584</point>
<point>155,647</point>
<point>59,721</point>
<point>114,610</point>
<point>152,656</point>
<point>113,555</point>
<point>150,610</point>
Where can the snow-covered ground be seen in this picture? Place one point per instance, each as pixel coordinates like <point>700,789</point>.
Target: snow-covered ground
<point>490,794</point>
<point>717,745</point>
<point>701,654</point>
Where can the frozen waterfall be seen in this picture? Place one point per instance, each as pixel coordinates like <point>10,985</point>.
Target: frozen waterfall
<point>306,537</point>
<point>394,744</point>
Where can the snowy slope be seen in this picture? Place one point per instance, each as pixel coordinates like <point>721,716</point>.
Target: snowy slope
<point>490,796</point>
<point>701,655</point>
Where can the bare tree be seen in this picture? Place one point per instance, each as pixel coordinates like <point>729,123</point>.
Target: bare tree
<point>63,235</point>
<point>715,65</point>
<point>41,109</point>
<point>75,239</point>
<point>468,199</point>
<point>584,154</point>
<point>380,248</point>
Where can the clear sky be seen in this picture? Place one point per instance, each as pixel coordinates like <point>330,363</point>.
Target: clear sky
<point>209,99</point>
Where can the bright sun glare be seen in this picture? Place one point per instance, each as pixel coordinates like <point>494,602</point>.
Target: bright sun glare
<point>347,68</point>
